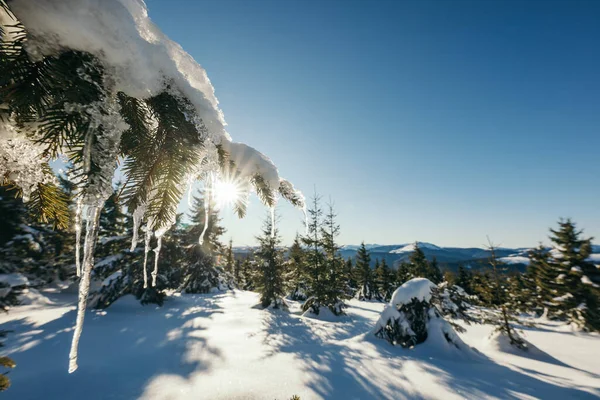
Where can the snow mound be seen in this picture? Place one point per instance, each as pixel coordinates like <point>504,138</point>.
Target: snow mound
<point>325,314</point>
<point>411,247</point>
<point>32,297</point>
<point>500,342</point>
<point>14,279</point>
<point>418,288</point>
<point>411,319</point>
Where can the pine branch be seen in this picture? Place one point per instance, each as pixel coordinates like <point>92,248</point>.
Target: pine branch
<point>50,204</point>
<point>264,192</point>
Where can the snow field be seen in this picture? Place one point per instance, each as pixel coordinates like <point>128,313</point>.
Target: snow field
<point>219,346</point>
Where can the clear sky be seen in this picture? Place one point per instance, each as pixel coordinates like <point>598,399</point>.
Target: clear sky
<point>439,121</point>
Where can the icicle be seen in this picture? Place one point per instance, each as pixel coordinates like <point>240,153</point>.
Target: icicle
<point>206,212</point>
<point>138,214</point>
<point>146,250</point>
<point>84,285</point>
<point>273,221</point>
<point>305,220</point>
<point>78,210</point>
<point>156,254</point>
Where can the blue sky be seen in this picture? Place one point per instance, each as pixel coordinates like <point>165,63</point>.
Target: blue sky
<point>439,121</point>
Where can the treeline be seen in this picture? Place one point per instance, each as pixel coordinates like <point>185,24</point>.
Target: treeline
<point>560,282</point>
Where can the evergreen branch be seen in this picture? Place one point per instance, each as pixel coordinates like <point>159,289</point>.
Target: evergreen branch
<point>263,190</point>
<point>50,204</point>
<point>135,114</point>
<point>288,192</point>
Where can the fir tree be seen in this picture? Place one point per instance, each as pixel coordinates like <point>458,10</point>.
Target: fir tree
<point>201,273</point>
<point>325,286</point>
<point>364,275</point>
<point>403,273</point>
<point>433,272</point>
<point>269,280</point>
<point>335,282</point>
<point>349,275</point>
<point>229,259</point>
<point>297,270</point>
<point>568,284</point>
<point>385,281</point>
<point>248,272</point>
<point>419,267</point>
<point>237,273</point>
<point>505,315</point>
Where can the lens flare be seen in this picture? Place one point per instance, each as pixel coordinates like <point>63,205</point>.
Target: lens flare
<point>226,192</point>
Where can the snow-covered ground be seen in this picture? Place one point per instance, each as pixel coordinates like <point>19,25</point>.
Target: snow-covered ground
<point>219,347</point>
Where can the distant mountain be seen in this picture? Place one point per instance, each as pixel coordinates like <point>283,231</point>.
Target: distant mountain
<point>449,258</point>
<point>357,246</point>
<point>409,248</point>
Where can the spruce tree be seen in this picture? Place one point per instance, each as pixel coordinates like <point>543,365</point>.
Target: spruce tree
<point>335,282</point>
<point>297,270</point>
<point>433,272</point>
<point>201,273</point>
<point>403,273</point>
<point>504,314</point>
<point>568,284</point>
<point>248,272</point>
<point>269,280</point>
<point>351,285</point>
<point>419,267</point>
<point>364,275</point>
<point>229,259</point>
<point>385,281</point>
<point>324,277</point>
<point>238,274</point>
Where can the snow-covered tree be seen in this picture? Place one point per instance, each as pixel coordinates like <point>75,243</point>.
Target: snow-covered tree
<point>324,278</point>
<point>269,278</point>
<point>503,314</point>
<point>567,283</point>
<point>412,318</point>
<point>363,274</point>
<point>229,259</point>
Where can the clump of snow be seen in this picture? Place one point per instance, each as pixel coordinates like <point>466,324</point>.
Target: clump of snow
<point>24,162</point>
<point>14,279</point>
<point>562,298</point>
<point>411,247</point>
<point>417,288</point>
<point>250,161</point>
<point>587,281</point>
<point>115,275</point>
<point>120,34</point>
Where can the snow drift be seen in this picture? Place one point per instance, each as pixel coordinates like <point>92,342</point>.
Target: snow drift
<point>410,319</point>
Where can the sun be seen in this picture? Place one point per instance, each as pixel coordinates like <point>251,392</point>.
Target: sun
<point>226,192</point>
